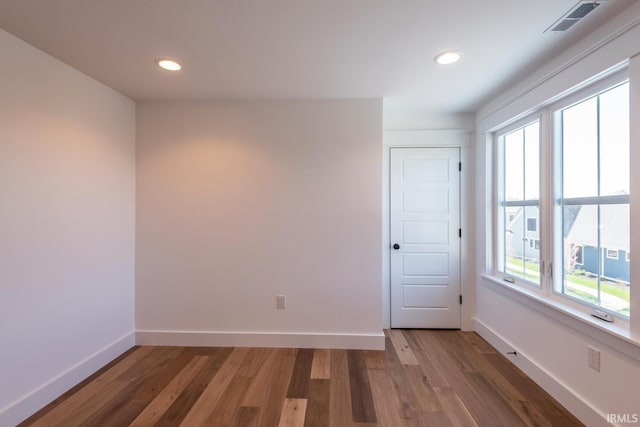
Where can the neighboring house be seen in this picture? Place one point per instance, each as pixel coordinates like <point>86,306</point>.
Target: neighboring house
<point>523,238</point>
<point>581,239</point>
<point>581,249</point>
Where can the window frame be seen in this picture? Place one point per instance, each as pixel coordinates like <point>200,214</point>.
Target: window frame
<point>556,259</point>
<point>499,269</point>
<point>550,177</point>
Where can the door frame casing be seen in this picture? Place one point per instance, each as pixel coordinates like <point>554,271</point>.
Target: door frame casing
<point>434,139</point>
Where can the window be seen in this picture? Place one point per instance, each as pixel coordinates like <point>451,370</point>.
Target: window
<point>592,201</point>
<point>571,212</point>
<point>519,191</point>
<point>531,224</point>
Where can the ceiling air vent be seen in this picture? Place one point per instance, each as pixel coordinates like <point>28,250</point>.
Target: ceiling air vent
<point>579,11</point>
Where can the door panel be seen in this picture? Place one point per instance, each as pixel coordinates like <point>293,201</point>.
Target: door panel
<point>425,218</point>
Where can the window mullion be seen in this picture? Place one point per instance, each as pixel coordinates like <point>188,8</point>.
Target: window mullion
<point>600,248</point>
<point>546,201</point>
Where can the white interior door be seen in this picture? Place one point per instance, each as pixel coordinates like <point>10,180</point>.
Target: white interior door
<point>425,239</point>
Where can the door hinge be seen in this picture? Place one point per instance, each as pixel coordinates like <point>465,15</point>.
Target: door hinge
<point>460,166</point>
<point>460,232</point>
<point>460,299</point>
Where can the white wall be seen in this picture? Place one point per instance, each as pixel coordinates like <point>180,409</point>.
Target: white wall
<point>240,201</point>
<point>67,175</point>
<point>405,114</point>
<point>552,344</point>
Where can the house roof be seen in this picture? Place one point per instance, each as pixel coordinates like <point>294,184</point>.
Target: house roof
<point>614,227</point>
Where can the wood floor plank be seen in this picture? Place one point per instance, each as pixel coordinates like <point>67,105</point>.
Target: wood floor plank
<point>362,407</point>
<point>153,412</point>
<point>246,416</point>
<point>435,419</point>
<point>406,401</point>
<point>301,375</point>
<point>481,399</point>
<point>511,395</point>
<point>478,344</point>
<point>459,380</point>
<point>400,344</point>
<point>339,393</point>
<point>97,410</point>
<point>98,385</point>
<point>531,415</point>
<point>260,386</point>
<point>254,361</point>
<point>321,367</point>
<point>434,372</point>
<point>144,383</point>
<point>293,413</point>
<point>181,406</point>
<point>385,399</point>
<point>75,389</point>
<point>85,411</point>
<point>494,401</point>
<point>225,411</point>
<point>270,412</point>
<point>268,389</point>
<point>457,413</point>
<point>374,359</point>
<point>199,413</point>
<point>537,398</point>
<point>422,389</point>
<point>481,365</point>
<point>318,404</point>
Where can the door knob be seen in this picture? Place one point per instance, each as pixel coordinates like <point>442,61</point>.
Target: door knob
<point>396,246</point>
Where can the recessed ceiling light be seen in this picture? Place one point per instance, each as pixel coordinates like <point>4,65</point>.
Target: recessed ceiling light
<point>448,57</point>
<point>168,64</point>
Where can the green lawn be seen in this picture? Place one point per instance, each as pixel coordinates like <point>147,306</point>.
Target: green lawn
<point>590,282</point>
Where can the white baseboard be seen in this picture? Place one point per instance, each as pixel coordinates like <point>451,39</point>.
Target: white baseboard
<point>560,391</point>
<point>27,405</point>
<point>261,339</point>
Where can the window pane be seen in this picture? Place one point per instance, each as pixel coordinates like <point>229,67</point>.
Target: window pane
<point>596,268</point>
<point>580,149</point>
<point>532,253</point>
<point>514,241</point>
<point>520,236</point>
<point>532,161</point>
<point>581,254</point>
<point>514,166</point>
<point>595,161</point>
<point>614,240</point>
<point>522,247</point>
<point>614,141</point>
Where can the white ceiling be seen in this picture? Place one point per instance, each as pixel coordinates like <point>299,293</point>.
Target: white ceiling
<point>239,49</point>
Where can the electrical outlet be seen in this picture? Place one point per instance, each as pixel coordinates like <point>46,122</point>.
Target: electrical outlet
<point>281,302</point>
<point>594,358</point>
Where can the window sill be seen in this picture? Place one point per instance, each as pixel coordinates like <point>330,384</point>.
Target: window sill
<point>610,334</point>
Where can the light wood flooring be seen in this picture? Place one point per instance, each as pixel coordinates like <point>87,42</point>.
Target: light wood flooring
<point>423,378</point>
